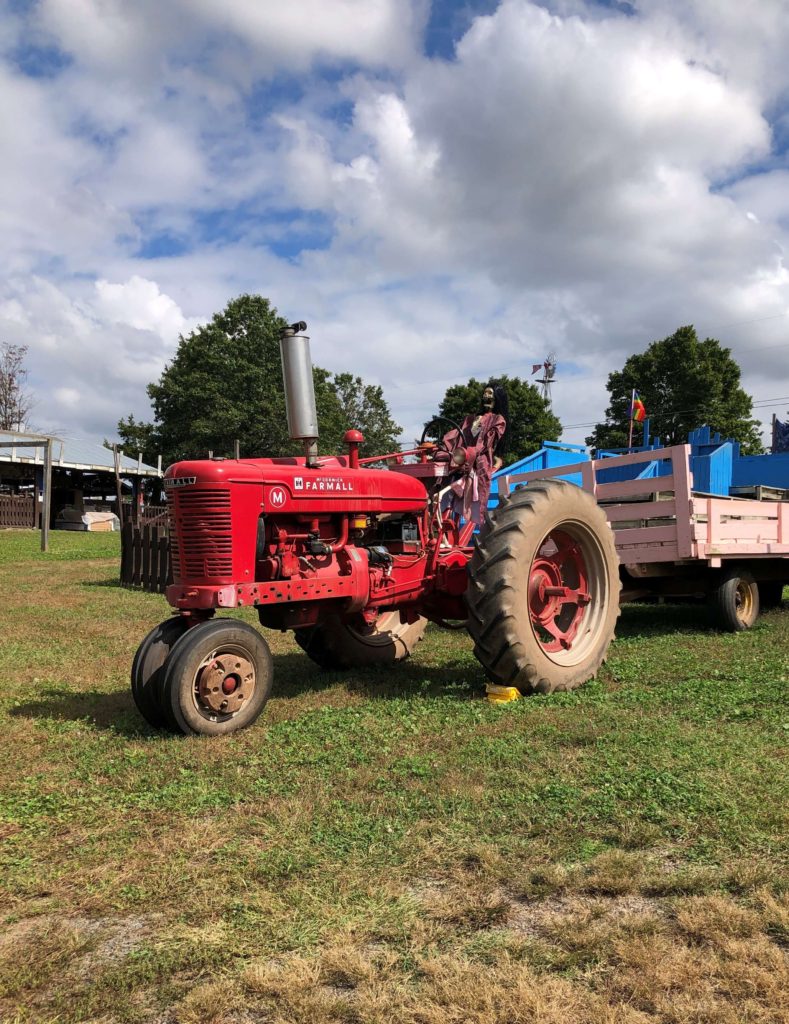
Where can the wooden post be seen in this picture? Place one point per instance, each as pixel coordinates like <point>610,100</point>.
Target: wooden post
<point>118,491</point>
<point>137,556</point>
<point>237,449</point>
<point>127,554</point>
<point>47,503</point>
<point>145,571</point>
<point>163,560</point>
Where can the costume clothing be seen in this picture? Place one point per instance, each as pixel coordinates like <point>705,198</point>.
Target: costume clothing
<point>479,435</point>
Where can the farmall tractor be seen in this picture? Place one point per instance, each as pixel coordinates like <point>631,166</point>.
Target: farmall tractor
<point>356,561</point>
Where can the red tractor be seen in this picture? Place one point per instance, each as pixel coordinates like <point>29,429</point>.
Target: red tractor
<point>356,561</point>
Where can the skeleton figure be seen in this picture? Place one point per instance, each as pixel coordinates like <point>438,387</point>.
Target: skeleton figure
<point>481,436</point>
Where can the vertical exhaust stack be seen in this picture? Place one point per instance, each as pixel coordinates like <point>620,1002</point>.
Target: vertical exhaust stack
<point>294,347</point>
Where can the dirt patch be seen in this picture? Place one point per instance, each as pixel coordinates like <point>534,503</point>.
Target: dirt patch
<point>111,939</point>
<point>540,918</point>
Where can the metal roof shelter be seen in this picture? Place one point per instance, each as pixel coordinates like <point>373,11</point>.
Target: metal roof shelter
<point>65,466</point>
<point>69,453</point>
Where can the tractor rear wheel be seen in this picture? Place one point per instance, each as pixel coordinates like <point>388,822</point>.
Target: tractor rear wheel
<point>218,678</point>
<point>148,670</point>
<point>543,593</point>
<point>334,644</point>
<point>735,601</point>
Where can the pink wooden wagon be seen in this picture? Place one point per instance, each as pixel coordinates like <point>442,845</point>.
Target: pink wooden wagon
<point>675,542</point>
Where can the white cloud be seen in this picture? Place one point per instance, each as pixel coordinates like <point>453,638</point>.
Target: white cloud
<point>93,352</point>
<point>293,35</point>
<point>744,42</point>
<point>576,180</point>
<point>68,397</point>
<point>264,36</point>
<point>138,303</point>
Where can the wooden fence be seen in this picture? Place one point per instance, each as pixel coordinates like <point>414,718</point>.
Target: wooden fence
<point>145,557</point>
<point>152,515</point>
<point>17,510</point>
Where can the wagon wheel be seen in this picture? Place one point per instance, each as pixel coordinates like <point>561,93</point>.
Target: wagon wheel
<point>735,601</point>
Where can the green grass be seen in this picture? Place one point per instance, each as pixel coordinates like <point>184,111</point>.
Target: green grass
<point>391,825</point>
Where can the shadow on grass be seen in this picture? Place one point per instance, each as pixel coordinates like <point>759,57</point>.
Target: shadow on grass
<point>113,711</point>
<point>294,675</point>
<point>661,619</point>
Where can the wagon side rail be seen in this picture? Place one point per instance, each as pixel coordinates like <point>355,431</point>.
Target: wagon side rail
<point>733,527</point>
<point>659,519</point>
<point>651,518</point>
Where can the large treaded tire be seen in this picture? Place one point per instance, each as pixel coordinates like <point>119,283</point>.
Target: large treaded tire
<point>334,644</point>
<point>735,601</point>
<point>501,622</point>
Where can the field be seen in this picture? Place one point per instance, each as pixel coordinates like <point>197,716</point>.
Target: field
<point>387,846</point>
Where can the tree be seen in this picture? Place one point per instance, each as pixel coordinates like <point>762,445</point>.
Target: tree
<point>531,420</point>
<point>137,438</point>
<point>15,402</point>
<point>683,383</point>
<point>225,383</point>
<point>365,408</point>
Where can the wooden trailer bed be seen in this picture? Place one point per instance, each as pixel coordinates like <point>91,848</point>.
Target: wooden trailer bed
<point>661,518</point>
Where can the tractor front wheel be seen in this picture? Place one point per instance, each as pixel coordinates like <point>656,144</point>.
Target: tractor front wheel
<point>543,593</point>
<point>148,670</point>
<point>218,678</point>
<point>334,644</point>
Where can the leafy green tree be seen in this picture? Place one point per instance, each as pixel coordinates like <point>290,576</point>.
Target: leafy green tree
<point>365,408</point>
<point>137,438</point>
<point>683,383</point>
<point>225,383</point>
<point>531,420</point>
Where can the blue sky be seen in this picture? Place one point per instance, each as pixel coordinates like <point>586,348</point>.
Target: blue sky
<point>475,183</point>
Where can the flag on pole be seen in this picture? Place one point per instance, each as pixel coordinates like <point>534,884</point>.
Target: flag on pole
<point>638,411</point>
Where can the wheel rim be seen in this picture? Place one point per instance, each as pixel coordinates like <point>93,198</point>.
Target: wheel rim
<point>224,683</point>
<point>568,593</point>
<point>743,601</point>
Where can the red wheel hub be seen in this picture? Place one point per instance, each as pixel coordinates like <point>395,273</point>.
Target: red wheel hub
<point>558,591</point>
<point>230,684</point>
<point>224,682</point>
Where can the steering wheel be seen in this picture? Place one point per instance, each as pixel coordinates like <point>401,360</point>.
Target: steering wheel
<point>440,444</point>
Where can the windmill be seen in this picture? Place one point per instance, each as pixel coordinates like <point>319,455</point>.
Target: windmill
<point>548,368</point>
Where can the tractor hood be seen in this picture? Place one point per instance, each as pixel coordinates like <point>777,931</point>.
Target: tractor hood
<point>289,485</point>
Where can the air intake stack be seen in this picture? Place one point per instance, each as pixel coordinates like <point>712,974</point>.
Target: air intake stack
<point>302,415</point>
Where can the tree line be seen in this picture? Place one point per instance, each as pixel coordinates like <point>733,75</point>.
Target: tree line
<point>224,384</point>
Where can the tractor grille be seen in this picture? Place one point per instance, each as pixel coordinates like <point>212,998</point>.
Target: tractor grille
<point>201,538</point>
